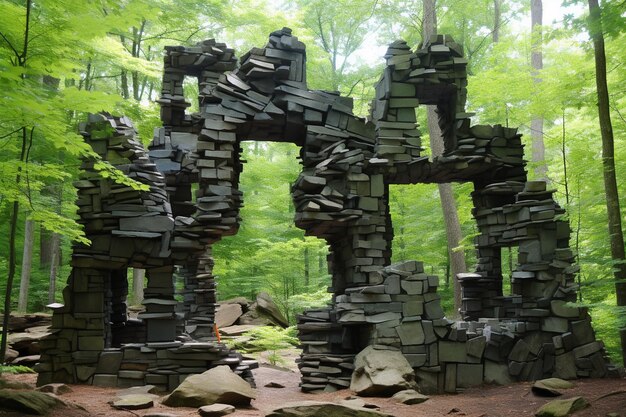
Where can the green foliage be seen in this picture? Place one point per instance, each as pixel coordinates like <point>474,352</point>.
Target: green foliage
<point>607,318</point>
<point>270,253</point>
<point>15,369</point>
<point>270,339</point>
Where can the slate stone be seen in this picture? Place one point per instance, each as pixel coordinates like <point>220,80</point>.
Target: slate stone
<point>409,397</point>
<point>562,408</point>
<point>105,380</point>
<point>476,346</point>
<point>274,385</point>
<point>550,387</point>
<point>497,373</point>
<point>134,402</point>
<point>56,389</point>
<point>561,309</point>
<point>565,366</point>
<point>411,333</point>
<point>216,410</point>
<point>319,409</point>
<point>469,375</point>
<point>452,351</point>
<point>554,325</point>
<point>227,314</point>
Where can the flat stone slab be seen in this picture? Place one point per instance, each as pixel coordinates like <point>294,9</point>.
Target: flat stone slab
<point>410,397</point>
<point>550,387</point>
<point>56,389</point>
<point>216,410</point>
<point>319,409</point>
<point>237,330</point>
<point>134,402</point>
<point>562,408</point>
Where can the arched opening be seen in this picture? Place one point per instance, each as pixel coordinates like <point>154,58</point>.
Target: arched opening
<point>269,253</point>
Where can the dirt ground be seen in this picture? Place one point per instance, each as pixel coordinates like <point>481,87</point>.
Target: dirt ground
<point>487,401</point>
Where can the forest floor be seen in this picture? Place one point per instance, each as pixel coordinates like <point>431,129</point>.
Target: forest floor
<point>485,401</point>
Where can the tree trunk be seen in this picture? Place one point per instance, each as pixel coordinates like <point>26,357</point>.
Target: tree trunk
<point>306,268</point>
<point>12,233</point>
<point>616,234</point>
<point>52,287</point>
<point>429,22</point>
<point>45,246</point>
<point>27,262</point>
<point>138,284</point>
<point>497,20</point>
<point>536,60</point>
<point>448,204</point>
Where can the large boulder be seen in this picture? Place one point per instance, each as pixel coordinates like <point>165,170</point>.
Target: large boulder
<point>227,314</point>
<point>380,371</point>
<point>264,312</point>
<point>29,402</point>
<point>323,409</point>
<point>217,385</point>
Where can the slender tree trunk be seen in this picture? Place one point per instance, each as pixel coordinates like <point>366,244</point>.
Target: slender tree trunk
<point>12,233</point>
<point>138,284</point>
<point>55,253</point>
<point>448,203</point>
<point>320,263</point>
<point>564,157</point>
<point>497,20</point>
<point>616,234</point>
<point>45,244</point>
<point>307,272</point>
<point>124,76</point>
<point>27,262</point>
<point>536,60</point>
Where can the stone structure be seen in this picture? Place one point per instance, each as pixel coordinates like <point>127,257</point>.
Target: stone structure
<point>341,195</point>
<point>93,340</point>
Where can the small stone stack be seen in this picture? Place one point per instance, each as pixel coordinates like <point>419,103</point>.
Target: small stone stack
<point>199,296</point>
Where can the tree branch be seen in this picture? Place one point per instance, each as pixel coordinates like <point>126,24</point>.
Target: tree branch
<point>9,134</point>
<point>17,54</point>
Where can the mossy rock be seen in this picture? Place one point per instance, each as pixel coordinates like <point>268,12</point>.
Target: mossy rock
<point>562,408</point>
<point>551,387</point>
<point>29,402</point>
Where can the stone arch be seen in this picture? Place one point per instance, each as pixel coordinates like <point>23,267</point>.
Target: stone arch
<point>341,195</point>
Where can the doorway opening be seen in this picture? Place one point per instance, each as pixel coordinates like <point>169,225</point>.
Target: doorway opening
<point>269,253</point>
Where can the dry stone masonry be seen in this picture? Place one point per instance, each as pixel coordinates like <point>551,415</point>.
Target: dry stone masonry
<point>93,341</point>
<point>341,195</point>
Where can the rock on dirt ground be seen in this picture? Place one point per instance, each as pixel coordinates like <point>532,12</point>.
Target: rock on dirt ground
<point>517,400</point>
